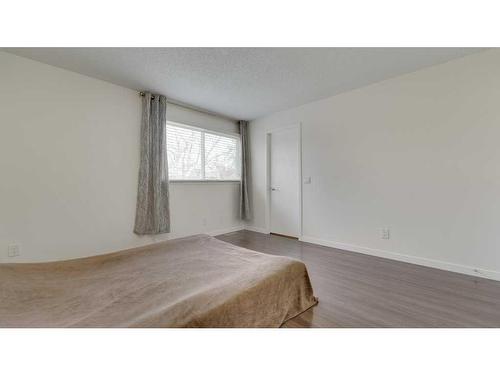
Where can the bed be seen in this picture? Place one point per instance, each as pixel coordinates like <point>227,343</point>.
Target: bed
<point>195,281</point>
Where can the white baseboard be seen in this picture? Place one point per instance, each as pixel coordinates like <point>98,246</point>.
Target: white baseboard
<point>257,229</point>
<point>218,232</point>
<point>453,267</point>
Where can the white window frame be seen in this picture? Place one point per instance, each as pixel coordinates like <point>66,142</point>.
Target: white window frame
<point>202,150</point>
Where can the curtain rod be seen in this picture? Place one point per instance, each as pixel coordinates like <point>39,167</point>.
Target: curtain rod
<point>192,107</point>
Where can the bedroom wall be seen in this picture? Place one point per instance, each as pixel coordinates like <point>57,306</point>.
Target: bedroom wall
<point>418,154</point>
<point>69,158</point>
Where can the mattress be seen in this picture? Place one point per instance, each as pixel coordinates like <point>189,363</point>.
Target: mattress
<point>195,281</point>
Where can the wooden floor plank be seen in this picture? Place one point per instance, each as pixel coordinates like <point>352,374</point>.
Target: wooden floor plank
<point>357,290</point>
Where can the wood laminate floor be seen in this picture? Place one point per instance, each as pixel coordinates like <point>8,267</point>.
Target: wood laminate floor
<point>357,290</point>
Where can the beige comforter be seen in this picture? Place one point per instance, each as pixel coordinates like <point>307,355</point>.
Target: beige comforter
<point>195,281</point>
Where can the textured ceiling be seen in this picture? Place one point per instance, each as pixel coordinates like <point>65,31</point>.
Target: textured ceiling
<point>243,83</point>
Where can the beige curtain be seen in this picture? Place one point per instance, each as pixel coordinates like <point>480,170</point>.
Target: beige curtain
<point>245,213</point>
<point>152,211</point>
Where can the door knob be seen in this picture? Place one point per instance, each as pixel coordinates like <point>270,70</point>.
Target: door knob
<point>275,189</point>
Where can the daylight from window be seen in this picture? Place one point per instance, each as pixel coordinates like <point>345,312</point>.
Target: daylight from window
<point>195,154</point>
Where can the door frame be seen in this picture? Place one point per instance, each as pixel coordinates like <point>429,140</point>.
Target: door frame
<point>268,134</point>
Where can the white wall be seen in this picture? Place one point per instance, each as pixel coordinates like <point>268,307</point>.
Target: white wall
<point>419,154</point>
<point>69,157</point>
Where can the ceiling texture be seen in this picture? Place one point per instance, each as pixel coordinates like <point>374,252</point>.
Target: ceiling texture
<point>243,83</point>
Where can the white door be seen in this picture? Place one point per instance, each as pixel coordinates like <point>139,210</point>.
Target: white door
<point>284,182</point>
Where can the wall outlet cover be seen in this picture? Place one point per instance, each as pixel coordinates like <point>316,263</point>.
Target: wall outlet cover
<point>385,233</point>
<point>13,250</point>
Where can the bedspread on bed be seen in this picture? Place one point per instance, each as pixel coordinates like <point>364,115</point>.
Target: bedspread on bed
<point>196,281</point>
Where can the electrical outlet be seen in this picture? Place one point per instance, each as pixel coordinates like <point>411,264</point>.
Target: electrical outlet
<point>13,250</point>
<point>385,233</point>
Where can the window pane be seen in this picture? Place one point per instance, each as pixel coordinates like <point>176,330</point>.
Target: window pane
<point>221,157</point>
<point>184,153</point>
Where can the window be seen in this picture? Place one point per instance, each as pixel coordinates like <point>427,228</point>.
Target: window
<point>196,154</point>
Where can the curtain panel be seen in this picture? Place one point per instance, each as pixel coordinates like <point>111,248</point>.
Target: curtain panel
<point>152,210</point>
<point>245,213</point>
